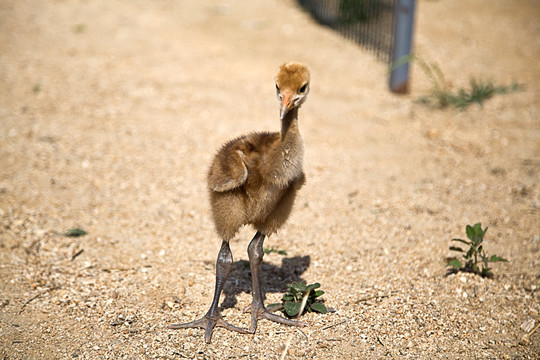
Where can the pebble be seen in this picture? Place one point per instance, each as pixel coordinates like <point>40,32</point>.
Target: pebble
<point>528,325</point>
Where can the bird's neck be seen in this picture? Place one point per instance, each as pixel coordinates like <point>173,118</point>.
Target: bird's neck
<point>289,124</point>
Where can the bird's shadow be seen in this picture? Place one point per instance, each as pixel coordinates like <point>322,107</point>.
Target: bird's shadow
<point>273,278</point>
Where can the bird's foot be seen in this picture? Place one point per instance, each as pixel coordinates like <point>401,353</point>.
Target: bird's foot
<point>209,322</point>
<point>259,311</point>
<point>271,308</point>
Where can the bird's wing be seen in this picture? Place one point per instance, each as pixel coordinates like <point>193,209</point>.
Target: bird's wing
<point>228,172</point>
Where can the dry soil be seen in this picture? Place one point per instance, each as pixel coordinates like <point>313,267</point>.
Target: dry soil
<point>110,112</point>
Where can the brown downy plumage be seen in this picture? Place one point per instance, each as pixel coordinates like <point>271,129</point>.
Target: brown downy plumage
<point>253,180</point>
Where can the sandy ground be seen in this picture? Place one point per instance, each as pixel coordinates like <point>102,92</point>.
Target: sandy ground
<point>110,112</point>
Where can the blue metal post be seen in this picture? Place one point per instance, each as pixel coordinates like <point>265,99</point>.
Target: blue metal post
<point>403,34</point>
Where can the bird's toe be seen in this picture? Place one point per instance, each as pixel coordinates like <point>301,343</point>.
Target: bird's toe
<point>209,323</point>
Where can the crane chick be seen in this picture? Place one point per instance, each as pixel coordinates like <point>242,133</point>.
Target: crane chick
<point>253,180</point>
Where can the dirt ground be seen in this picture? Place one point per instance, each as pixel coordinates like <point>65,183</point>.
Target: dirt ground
<point>110,112</point>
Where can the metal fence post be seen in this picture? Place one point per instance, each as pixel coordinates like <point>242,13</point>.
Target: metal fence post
<point>403,33</point>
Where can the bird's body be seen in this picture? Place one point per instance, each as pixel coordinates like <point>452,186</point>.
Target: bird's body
<point>253,180</point>
<point>266,176</point>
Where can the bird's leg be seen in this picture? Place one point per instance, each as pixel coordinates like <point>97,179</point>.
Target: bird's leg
<point>258,310</point>
<point>213,316</point>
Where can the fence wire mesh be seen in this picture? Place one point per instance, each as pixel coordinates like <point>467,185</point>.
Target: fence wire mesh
<point>367,22</point>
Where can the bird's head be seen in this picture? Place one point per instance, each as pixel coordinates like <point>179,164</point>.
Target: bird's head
<point>292,86</point>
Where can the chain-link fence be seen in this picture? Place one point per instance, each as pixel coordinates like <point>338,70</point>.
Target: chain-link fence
<point>382,26</point>
<point>367,22</point>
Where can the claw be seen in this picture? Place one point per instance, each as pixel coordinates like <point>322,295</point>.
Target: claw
<point>208,323</point>
<point>260,312</point>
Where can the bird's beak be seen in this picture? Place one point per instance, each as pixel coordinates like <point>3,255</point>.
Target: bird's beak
<point>286,104</point>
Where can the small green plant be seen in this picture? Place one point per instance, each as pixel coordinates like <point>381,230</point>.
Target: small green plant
<point>76,232</point>
<point>274,250</point>
<point>475,255</point>
<point>442,96</point>
<point>478,92</point>
<point>292,300</point>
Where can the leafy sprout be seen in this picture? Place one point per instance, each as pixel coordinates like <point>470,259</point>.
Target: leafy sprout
<point>475,258</point>
<point>292,300</point>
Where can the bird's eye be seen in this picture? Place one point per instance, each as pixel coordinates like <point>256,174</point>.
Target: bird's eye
<point>303,89</point>
<point>278,92</point>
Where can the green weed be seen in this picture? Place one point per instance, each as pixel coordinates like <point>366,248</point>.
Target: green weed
<point>274,250</point>
<point>292,300</point>
<point>76,232</point>
<point>476,259</point>
<point>478,92</point>
<point>441,94</point>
